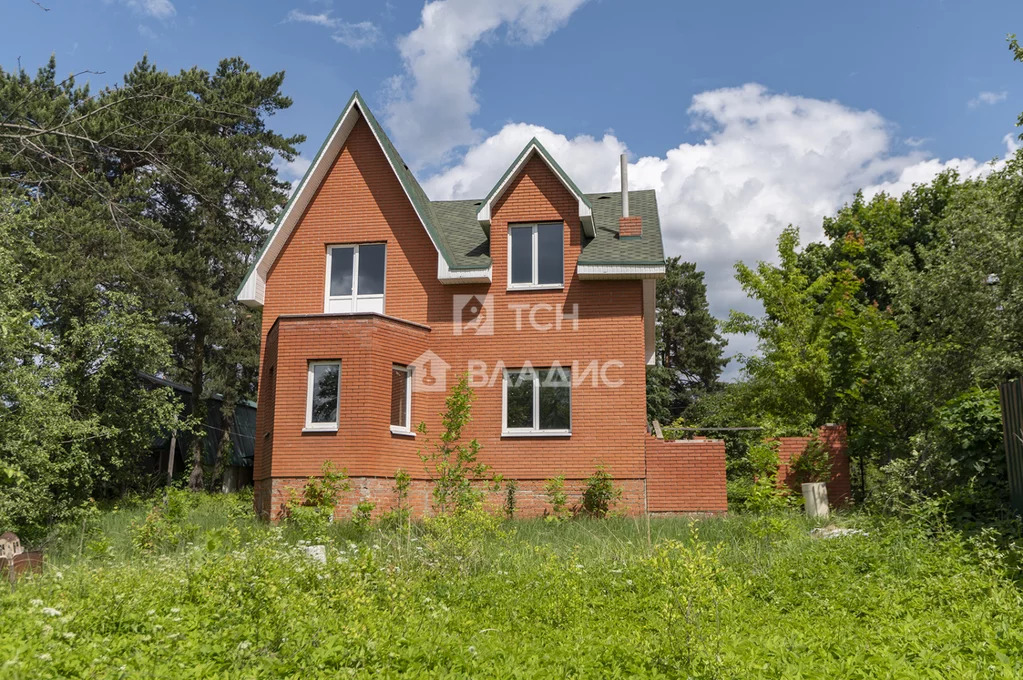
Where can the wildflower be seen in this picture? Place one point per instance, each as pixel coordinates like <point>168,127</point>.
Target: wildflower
<point>69,636</point>
<point>578,566</point>
<point>472,650</point>
<point>36,603</point>
<point>50,611</point>
<point>244,644</point>
<point>175,610</point>
<point>150,612</point>
<point>45,657</point>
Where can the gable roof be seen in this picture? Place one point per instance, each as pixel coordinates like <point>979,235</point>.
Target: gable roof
<point>459,230</point>
<point>535,147</point>
<point>253,287</point>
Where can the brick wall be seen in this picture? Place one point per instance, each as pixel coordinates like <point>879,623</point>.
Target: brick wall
<point>360,200</point>
<point>834,436</point>
<point>686,476</point>
<point>531,501</point>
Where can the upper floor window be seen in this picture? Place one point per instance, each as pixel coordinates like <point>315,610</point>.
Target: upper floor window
<point>355,278</point>
<point>536,255</point>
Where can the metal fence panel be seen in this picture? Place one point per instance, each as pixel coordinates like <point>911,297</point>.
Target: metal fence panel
<point>1011,398</point>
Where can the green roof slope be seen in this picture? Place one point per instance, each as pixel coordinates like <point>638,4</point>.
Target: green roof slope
<point>470,249</point>
<point>606,248</point>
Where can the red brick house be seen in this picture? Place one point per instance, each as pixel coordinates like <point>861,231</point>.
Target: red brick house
<point>375,299</point>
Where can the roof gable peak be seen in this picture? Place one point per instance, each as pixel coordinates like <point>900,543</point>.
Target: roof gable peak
<point>534,146</point>
<point>252,290</point>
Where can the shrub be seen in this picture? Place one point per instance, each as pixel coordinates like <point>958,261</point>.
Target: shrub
<point>600,494</point>
<point>362,514</point>
<point>959,463</point>
<point>400,515</point>
<point>763,494</point>
<point>554,489</point>
<point>813,464</point>
<point>687,576</point>
<point>453,465</point>
<point>511,486</point>
<point>311,512</point>
<point>165,525</point>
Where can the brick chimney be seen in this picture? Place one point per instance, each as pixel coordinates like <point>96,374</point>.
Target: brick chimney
<point>628,227</point>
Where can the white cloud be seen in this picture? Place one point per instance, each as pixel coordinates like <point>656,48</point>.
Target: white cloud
<point>158,9</point>
<point>354,35</point>
<point>433,101</point>
<point>767,160</point>
<point>925,170</point>
<point>293,171</point>
<point>989,98</point>
<point>147,32</point>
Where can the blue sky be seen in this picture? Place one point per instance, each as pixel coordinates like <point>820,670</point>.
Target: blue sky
<point>746,116</point>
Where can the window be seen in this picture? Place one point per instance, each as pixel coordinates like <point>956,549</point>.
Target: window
<point>401,399</point>
<point>536,254</point>
<point>324,389</point>
<point>538,401</point>
<point>355,278</point>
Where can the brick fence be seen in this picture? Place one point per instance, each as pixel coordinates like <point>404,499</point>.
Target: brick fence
<point>835,438</point>
<point>686,476</point>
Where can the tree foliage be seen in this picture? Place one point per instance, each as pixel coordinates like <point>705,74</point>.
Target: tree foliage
<point>689,353</point>
<point>130,216</point>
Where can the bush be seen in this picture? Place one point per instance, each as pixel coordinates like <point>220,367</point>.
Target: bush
<point>554,489</point>
<point>760,493</point>
<point>813,464</point>
<point>511,486</point>
<point>454,465</point>
<point>959,462</point>
<point>600,494</point>
<point>400,515</point>
<point>312,512</point>
<point>165,525</point>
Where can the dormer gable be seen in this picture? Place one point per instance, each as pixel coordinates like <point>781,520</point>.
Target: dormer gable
<point>535,148</point>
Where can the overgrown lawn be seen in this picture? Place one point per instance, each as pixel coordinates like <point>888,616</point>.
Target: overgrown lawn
<point>727,597</point>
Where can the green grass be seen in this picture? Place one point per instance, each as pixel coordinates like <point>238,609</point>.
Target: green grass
<point>728,597</point>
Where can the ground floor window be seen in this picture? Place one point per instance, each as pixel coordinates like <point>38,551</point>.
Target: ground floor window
<point>401,398</point>
<point>322,396</point>
<point>537,401</point>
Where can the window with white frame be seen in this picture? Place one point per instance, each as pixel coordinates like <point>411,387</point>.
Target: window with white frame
<point>536,255</point>
<point>323,394</point>
<point>355,278</point>
<point>401,399</point>
<point>538,401</point>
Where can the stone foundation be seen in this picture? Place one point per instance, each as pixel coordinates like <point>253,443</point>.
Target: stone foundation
<point>271,496</point>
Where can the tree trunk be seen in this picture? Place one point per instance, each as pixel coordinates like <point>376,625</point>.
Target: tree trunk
<point>199,409</point>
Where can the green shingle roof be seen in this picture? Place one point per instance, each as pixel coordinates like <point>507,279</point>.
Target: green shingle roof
<point>607,248</point>
<point>470,249</point>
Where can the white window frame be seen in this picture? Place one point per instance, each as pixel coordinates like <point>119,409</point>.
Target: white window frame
<point>405,429</point>
<point>310,426</point>
<point>373,302</point>
<point>533,284</point>
<point>534,431</point>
